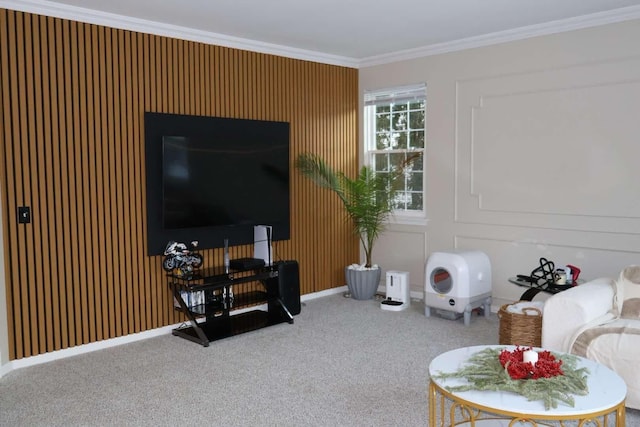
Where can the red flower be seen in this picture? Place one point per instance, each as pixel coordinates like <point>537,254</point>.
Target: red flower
<point>547,365</point>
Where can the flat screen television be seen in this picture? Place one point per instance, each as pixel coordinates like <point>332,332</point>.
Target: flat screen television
<point>213,178</point>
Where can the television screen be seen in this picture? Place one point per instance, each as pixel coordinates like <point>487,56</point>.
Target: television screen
<point>224,182</point>
<point>211,179</point>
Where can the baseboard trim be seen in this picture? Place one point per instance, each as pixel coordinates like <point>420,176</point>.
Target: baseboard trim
<point>84,348</point>
<point>324,293</point>
<point>113,342</point>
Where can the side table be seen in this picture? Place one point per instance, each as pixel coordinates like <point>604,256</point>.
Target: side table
<point>606,398</point>
<point>535,289</point>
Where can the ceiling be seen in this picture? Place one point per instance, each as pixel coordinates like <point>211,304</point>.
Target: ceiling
<point>351,30</point>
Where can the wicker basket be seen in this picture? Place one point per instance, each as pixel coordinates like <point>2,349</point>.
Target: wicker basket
<point>520,329</point>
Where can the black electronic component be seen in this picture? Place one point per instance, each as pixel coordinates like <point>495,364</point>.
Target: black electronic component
<point>289,285</point>
<point>246,263</point>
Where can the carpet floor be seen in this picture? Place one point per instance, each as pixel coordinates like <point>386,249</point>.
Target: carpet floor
<point>342,363</point>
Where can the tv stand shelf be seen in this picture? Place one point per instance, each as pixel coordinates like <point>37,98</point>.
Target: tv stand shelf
<point>215,308</point>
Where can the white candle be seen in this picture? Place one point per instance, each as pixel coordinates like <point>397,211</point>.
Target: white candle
<point>530,356</point>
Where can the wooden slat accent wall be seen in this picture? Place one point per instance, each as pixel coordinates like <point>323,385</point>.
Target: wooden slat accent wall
<point>72,148</point>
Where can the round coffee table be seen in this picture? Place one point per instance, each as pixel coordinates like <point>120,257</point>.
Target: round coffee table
<point>606,397</point>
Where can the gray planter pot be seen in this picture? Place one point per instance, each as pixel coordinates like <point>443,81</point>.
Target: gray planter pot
<point>362,284</point>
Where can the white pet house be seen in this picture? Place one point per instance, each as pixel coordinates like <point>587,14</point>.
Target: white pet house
<point>457,282</point>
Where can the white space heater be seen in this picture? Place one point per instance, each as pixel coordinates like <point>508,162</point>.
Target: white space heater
<point>457,283</point>
<point>398,291</point>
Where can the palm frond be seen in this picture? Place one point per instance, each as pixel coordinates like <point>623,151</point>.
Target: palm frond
<point>367,199</point>
<point>316,169</point>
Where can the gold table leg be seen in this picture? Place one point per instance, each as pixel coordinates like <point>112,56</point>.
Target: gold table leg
<point>473,414</point>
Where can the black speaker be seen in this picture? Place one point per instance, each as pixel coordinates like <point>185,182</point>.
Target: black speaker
<point>289,285</point>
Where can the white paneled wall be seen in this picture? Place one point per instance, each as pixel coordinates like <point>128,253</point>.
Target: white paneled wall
<point>533,151</point>
<point>566,139</point>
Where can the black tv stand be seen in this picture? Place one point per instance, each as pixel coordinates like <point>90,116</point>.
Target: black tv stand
<point>219,302</point>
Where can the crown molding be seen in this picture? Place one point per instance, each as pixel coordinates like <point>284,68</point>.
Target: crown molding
<point>74,13</point>
<point>553,27</point>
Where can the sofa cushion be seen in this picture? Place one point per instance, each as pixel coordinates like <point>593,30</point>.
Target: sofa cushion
<point>615,344</point>
<point>631,309</point>
<point>628,293</point>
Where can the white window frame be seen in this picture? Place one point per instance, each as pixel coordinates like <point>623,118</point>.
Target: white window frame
<point>384,97</point>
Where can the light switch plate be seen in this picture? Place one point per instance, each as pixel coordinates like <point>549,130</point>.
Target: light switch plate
<point>24,215</point>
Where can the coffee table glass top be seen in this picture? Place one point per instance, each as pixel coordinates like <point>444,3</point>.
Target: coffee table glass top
<point>606,388</point>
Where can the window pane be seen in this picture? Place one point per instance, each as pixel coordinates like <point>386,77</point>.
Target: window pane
<point>400,201</point>
<point>383,141</point>
<point>416,201</point>
<point>380,162</point>
<point>396,159</point>
<point>416,119</point>
<point>417,164</point>
<point>399,121</point>
<point>383,108</point>
<point>416,139</point>
<point>399,107</point>
<point>415,181</point>
<point>401,142</point>
<point>382,122</point>
<point>419,105</point>
<point>389,141</point>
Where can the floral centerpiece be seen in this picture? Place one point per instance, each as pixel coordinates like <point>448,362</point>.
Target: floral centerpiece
<point>546,365</point>
<point>546,377</point>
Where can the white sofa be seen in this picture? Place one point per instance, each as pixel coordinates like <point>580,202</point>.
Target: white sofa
<point>593,321</point>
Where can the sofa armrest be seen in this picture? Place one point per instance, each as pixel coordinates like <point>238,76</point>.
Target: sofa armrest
<point>565,313</point>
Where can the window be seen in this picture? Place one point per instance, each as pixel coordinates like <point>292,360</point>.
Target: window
<point>395,131</point>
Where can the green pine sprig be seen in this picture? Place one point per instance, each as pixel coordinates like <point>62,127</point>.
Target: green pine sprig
<point>483,371</point>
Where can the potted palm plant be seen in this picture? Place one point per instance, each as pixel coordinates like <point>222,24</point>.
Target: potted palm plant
<point>368,201</point>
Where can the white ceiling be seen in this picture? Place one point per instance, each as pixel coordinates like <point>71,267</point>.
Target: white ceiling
<point>353,31</point>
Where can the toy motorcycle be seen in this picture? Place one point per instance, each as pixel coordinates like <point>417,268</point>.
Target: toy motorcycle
<point>178,256</point>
